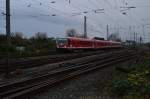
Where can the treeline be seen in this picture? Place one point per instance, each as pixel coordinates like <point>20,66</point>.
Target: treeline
<point>20,46</point>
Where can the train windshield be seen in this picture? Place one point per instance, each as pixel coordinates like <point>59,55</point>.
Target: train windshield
<point>61,41</point>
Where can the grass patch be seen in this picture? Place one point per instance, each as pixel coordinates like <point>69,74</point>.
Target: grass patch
<point>131,82</point>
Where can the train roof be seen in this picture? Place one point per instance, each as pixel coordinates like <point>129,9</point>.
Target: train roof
<point>75,38</point>
<point>86,39</point>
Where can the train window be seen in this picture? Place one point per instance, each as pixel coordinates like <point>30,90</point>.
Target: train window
<point>61,41</point>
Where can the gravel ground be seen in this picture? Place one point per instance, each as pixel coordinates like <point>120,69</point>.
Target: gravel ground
<point>88,86</point>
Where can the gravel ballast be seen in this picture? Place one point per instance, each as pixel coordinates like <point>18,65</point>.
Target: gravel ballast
<point>87,86</point>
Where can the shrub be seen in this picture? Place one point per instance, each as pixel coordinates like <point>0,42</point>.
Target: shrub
<point>146,89</point>
<point>121,87</point>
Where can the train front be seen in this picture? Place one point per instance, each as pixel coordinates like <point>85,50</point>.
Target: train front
<point>62,43</point>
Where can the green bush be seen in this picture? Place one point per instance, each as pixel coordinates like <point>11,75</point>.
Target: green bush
<point>146,89</point>
<point>136,83</point>
<point>37,45</point>
<point>121,87</point>
<point>136,78</point>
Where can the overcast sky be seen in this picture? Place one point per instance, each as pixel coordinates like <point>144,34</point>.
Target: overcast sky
<point>56,16</point>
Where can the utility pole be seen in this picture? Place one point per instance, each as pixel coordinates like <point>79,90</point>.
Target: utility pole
<point>130,31</point>
<point>8,36</point>
<point>143,32</point>
<point>134,39</point>
<point>140,40</point>
<point>136,36</point>
<point>85,27</point>
<point>107,32</point>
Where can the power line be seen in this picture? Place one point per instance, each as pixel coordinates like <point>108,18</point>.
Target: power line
<point>93,4</point>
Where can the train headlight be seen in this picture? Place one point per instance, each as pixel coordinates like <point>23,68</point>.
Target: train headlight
<point>65,46</point>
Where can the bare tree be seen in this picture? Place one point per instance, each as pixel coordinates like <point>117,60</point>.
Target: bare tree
<point>114,37</point>
<point>41,35</point>
<point>71,33</point>
<point>17,35</point>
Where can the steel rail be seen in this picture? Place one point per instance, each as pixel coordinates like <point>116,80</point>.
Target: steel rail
<point>85,66</point>
<point>53,81</point>
<point>38,61</point>
<point>61,69</point>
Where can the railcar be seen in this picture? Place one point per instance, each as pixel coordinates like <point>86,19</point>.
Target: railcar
<point>73,43</point>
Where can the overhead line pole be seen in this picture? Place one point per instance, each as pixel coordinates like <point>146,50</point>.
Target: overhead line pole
<point>8,37</point>
<point>143,32</point>
<point>107,32</point>
<point>134,37</point>
<point>85,27</point>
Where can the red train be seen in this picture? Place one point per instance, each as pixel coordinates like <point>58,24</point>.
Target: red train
<point>73,43</point>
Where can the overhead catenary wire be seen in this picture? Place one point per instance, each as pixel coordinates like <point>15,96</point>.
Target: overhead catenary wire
<point>82,9</point>
<point>93,3</point>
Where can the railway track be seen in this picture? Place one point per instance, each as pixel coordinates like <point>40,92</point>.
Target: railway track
<point>34,84</point>
<point>30,62</point>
